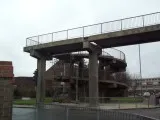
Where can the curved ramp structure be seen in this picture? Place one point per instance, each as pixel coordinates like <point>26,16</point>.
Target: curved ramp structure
<point>70,67</point>
<point>116,61</point>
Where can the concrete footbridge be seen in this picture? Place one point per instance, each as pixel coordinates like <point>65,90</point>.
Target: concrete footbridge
<point>92,38</point>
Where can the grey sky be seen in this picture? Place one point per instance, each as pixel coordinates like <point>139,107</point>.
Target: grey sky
<point>24,18</point>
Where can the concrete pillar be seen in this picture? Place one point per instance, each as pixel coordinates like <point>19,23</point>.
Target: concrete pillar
<point>71,75</point>
<point>94,51</point>
<point>41,66</point>
<point>93,78</point>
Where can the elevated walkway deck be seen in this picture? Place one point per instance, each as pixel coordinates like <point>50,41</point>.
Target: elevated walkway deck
<point>128,31</point>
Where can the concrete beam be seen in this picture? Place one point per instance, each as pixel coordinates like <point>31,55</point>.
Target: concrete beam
<point>41,66</point>
<point>90,47</point>
<point>39,55</point>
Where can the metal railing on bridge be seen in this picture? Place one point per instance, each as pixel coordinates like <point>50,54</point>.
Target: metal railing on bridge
<point>105,52</point>
<point>96,29</point>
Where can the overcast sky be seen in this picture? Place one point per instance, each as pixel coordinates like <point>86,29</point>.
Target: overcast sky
<point>24,18</point>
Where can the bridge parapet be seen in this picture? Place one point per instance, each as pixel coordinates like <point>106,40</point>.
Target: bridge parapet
<point>96,29</point>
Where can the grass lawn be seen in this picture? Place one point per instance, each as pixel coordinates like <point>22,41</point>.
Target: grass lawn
<point>126,99</point>
<point>110,100</point>
<point>29,102</point>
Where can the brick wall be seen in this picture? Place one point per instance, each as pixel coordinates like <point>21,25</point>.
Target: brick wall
<point>6,91</point>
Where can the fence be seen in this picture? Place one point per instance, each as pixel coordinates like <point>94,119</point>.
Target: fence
<point>59,112</point>
<point>95,29</point>
<point>109,52</point>
<point>104,102</point>
<point>109,109</point>
<point>121,102</point>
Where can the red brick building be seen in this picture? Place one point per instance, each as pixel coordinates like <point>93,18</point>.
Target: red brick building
<point>6,96</point>
<point>24,86</point>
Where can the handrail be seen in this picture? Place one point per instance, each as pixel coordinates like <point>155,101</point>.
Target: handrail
<point>142,20</point>
<point>121,55</point>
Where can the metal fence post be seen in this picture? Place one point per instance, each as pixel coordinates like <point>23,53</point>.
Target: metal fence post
<point>52,37</point>
<point>98,114</point>
<point>121,25</point>
<point>135,102</point>
<point>143,21</point>
<point>101,28</point>
<point>67,113</point>
<point>148,101</point>
<point>67,34</point>
<point>119,106</point>
<point>38,39</point>
<point>26,42</point>
<point>83,32</point>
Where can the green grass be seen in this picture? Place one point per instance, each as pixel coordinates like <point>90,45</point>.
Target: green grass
<point>126,100</point>
<point>30,102</point>
<point>110,100</point>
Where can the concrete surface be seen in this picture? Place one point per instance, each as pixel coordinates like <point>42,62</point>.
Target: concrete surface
<point>23,114</point>
<point>59,113</point>
<point>155,113</point>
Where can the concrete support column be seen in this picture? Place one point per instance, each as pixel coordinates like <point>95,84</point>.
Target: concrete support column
<point>94,51</point>
<point>41,66</point>
<point>93,78</point>
<point>71,75</point>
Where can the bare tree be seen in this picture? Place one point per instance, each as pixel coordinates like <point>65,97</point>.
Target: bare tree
<point>130,80</point>
<point>123,77</point>
<point>134,84</point>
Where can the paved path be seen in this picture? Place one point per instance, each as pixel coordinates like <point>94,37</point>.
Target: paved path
<point>155,113</point>
<point>23,106</point>
<point>59,113</point>
<point>23,114</point>
<point>112,105</point>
